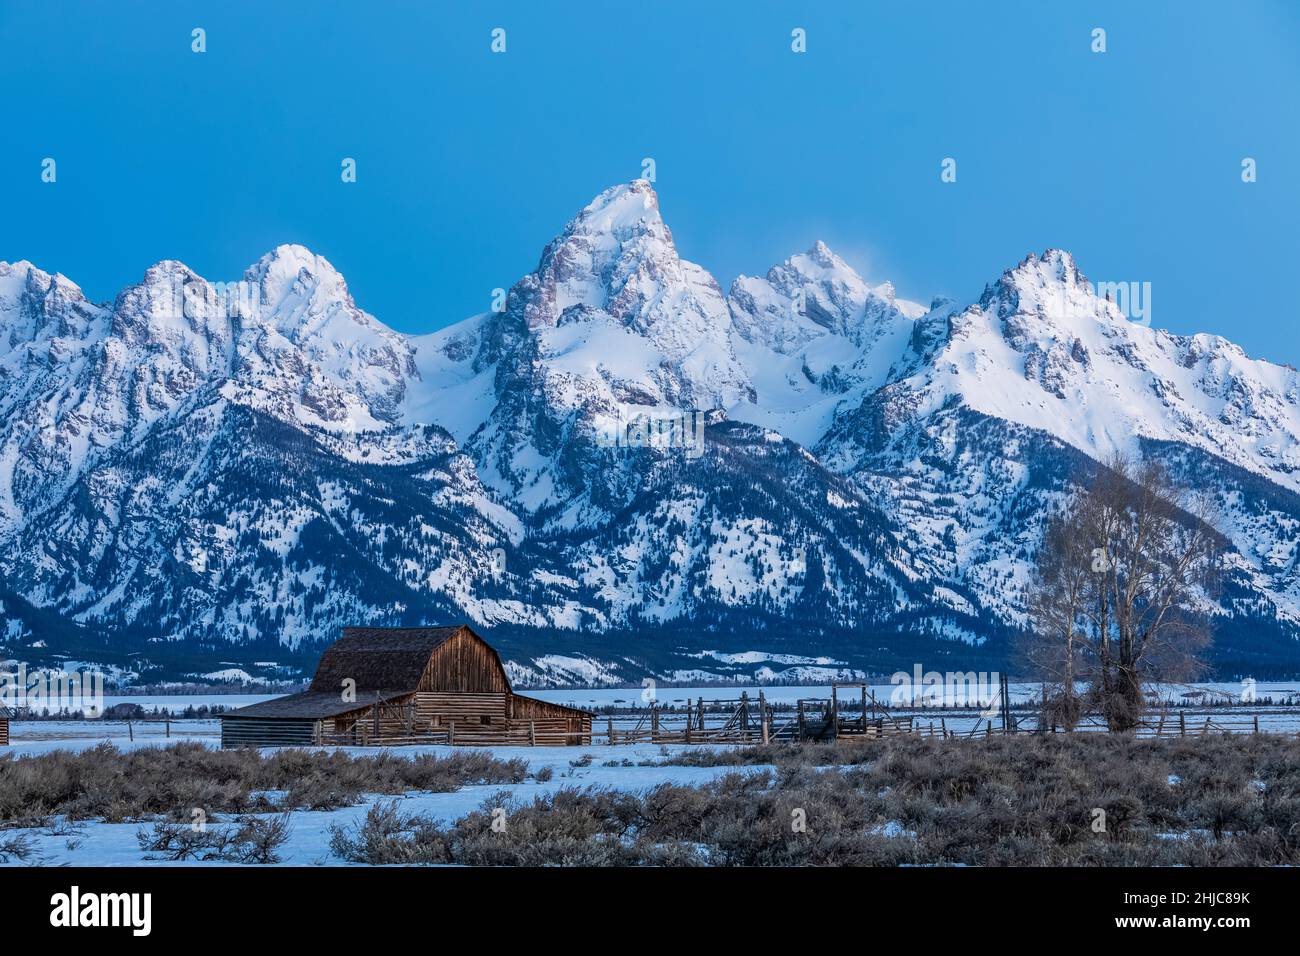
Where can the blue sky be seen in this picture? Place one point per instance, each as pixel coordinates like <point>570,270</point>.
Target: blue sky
<point>469,162</point>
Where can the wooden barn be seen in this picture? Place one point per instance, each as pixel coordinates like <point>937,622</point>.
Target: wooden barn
<point>404,685</point>
<point>4,727</point>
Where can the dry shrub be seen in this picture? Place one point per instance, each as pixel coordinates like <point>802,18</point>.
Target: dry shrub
<point>106,783</point>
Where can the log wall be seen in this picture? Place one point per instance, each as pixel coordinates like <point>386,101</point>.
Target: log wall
<point>268,731</point>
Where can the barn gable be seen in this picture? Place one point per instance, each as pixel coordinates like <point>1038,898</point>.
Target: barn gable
<point>465,664</point>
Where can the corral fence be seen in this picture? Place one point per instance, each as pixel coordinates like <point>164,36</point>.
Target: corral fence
<point>852,712</point>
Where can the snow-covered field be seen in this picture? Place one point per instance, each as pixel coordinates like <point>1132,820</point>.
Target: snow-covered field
<point>115,844</point>
<point>41,736</point>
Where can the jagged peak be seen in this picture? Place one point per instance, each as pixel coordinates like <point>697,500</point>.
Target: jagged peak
<point>823,255</point>
<point>36,279</point>
<point>622,219</point>
<point>617,255</point>
<point>620,209</point>
<point>288,262</point>
<point>21,268</point>
<point>820,263</point>
<point>1051,279</point>
<point>55,296</point>
<point>294,284</point>
<point>166,269</point>
<point>1053,265</point>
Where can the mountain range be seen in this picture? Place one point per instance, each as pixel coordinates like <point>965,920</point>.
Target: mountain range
<point>621,469</point>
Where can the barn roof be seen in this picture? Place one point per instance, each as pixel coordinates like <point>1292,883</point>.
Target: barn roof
<point>5,712</point>
<point>316,704</point>
<point>379,657</point>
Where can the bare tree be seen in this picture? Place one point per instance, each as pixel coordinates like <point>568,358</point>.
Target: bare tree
<point>1054,649</point>
<point>1119,592</point>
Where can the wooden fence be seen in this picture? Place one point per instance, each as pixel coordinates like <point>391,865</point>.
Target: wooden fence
<point>753,721</point>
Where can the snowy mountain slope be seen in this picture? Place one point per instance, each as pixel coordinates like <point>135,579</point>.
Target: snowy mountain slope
<point>78,379</point>
<point>611,324</point>
<point>970,450</point>
<point>207,470</point>
<point>1042,349</point>
<point>233,530</point>
<point>815,338</point>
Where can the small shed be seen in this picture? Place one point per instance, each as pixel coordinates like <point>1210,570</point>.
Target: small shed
<point>379,686</point>
<point>4,726</point>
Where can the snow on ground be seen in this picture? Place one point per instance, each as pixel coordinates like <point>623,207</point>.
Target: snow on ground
<point>105,844</point>
<point>42,736</point>
<point>115,844</point>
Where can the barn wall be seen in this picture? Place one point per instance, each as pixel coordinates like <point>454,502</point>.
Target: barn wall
<point>467,665</point>
<point>527,707</point>
<point>4,731</point>
<point>440,708</point>
<point>396,718</point>
<point>489,719</point>
<point>550,723</point>
<point>267,731</point>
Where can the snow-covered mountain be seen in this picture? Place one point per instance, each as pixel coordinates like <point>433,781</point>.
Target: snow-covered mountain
<point>625,470</point>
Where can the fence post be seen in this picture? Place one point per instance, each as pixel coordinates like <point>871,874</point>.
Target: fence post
<point>1182,724</point>
<point>451,733</point>
<point>609,728</point>
<point>1006,705</point>
<point>1257,723</point>
<point>532,733</point>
